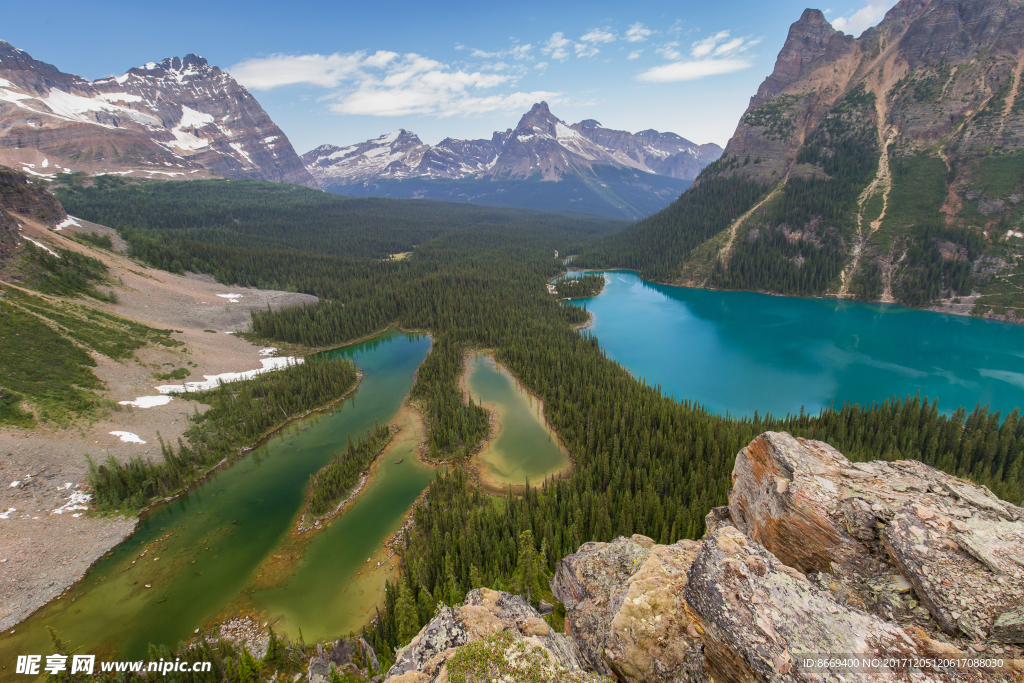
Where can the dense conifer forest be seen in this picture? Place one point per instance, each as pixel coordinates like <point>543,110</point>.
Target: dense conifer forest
<point>644,463</point>
<point>658,245</point>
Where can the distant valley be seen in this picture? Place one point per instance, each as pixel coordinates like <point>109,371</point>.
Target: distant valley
<point>542,163</point>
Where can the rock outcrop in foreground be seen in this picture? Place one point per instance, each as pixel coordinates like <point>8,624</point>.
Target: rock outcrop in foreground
<point>492,633</point>
<point>814,558</point>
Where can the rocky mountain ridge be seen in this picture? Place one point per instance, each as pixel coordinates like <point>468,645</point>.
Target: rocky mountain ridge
<point>814,558</point>
<point>882,168</point>
<point>540,143</point>
<point>176,119</point>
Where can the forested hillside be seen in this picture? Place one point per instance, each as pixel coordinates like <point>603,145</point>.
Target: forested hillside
<point>644,463</point>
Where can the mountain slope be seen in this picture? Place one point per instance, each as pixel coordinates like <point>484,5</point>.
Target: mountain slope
<point>589,168</point>
<point>883,168</point>
<point>173,119</point>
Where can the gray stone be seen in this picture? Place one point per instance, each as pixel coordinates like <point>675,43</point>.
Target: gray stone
<point>988,206</point>
<point>1009,626</point>
<point>484,613</point>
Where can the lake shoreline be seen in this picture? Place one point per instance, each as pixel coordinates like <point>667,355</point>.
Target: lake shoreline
<point>474,464</point>
<point>947,307</point>
<point>277,567</point>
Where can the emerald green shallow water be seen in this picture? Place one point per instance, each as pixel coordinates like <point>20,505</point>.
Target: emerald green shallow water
<point>524,448</point>
<point>211,541</point>
<point>738,352</point>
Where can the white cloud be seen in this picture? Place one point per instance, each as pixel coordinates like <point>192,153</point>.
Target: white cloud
<point>540,66</point>
<point>388,84</point>
<point>712,56</point>
<point>517,51</point>
<point>327,71</point>
<point>637,33</point>
<point>689,71</point>
<point>702,48</point>
<point>864,18</point>
<point>598,35</point>
<point>669,51</point>
<point>591,39</point>
<point>556,45</point>
<point>635,54</point>
<point>521,51</point>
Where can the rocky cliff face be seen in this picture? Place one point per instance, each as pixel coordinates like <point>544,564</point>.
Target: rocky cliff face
<point>815,557</point>
<point>176,119</point>
<point>540,144</point>
<point>19,194</point>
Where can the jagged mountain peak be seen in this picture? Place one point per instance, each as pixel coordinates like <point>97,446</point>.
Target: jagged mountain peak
<point>813,16</point>
<point>538,120</point>
<point>393,155</point>
<point>810,38</point>
<point>541,145</point>
<point>177,118</point>
<point>539,109</point>
<point>13,59</point>
<point>401,136</point>
<point>192,66</point>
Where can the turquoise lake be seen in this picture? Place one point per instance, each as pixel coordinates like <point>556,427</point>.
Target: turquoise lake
<point>737,352</point>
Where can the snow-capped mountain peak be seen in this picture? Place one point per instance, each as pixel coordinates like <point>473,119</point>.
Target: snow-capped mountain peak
<point>177,118</point>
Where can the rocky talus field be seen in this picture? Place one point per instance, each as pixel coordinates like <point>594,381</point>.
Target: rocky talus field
<point>815,556</point>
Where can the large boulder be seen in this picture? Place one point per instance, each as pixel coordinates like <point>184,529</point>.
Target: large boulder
<point>960,559</point>
<point>787,495</point>
<point>760,619</point>
<point>484,614</point>
<point>625,609</point>
<point>900,539</point>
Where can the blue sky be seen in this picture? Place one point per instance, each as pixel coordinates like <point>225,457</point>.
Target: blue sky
<point>342,72</point>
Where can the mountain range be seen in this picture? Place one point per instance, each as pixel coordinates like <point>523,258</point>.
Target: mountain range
<point>183,118</point>
<point>542,163</point>
<point>176,119</point>
<point>889,167</point>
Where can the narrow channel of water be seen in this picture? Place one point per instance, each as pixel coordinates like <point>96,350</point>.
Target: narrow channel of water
<point>738,352</point>
<point>340,581</point>
<point>199,553</point>
<point>524,448</point>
